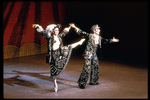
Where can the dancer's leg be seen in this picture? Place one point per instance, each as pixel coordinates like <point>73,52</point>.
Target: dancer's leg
<point>77,43</point>
<point>85,74</point>
<point>55,85</point>
<point>94,71</point>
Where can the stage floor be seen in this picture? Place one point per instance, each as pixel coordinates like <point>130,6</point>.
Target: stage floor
<point>29,77</point>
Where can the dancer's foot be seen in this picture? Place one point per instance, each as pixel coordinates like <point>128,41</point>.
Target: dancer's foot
<point>82,86</point>
<point>56,88</point>
<point>55,85</point>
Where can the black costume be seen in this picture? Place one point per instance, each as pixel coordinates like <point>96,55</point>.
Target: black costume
<point>91,60</point>
<point>58,59</point>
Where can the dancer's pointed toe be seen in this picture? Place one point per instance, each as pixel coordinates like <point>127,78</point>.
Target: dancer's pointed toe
<point>56,88</point>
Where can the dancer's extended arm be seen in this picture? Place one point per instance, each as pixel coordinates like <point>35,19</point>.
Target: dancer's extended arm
<point>65,31</point>
<point>40,30</point>
<point>79,31</point>
<point>110,40</point>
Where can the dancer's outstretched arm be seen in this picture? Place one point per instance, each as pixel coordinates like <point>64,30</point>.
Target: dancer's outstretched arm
<point>110,40</point>
<point>38,27</point>
<point>114,40</point>
<point>65,31</point>
<point>41,30</point>
<point>79,31</point>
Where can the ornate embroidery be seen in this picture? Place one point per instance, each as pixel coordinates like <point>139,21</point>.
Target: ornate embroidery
<point>91,62</point>
<point>59,61</point>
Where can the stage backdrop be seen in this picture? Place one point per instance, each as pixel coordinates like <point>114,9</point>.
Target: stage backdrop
<point>19,38</point>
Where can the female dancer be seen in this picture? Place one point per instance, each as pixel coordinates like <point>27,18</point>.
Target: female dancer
<point>58,54</point>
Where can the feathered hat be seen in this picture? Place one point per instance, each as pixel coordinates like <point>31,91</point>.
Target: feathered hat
<point>50,28</point>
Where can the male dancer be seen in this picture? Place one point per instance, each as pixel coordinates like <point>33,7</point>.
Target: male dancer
<point>91,61</point>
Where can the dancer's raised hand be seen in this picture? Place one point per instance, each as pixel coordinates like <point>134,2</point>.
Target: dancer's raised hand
<point>115,40</point>
<point>39,28</point>
<point>72,25</point>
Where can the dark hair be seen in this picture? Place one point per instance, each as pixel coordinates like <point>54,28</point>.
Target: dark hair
<point>58,26</point>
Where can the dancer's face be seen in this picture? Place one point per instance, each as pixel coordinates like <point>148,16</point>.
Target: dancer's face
<point>56,31</point>
<point>97,31</point>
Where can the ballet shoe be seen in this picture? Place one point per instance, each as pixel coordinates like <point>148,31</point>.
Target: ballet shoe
<point>56,88</point>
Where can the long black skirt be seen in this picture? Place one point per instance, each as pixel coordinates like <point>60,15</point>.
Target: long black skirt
<point>59,60</point>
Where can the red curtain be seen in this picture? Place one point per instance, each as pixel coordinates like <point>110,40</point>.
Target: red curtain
<point>18,18</point>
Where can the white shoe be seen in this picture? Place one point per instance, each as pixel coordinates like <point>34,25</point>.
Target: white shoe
<point>56,88</point>
<point>55,85</point>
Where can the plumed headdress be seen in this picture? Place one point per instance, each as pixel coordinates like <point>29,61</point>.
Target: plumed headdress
<point>50,28</point>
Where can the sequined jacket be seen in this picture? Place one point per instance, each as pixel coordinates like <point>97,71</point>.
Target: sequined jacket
<point>50,42</point>
<point>91,46</point>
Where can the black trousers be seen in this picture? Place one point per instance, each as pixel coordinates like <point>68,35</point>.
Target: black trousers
<point>90,65</point>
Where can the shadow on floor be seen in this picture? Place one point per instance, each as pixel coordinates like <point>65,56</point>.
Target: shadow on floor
<point>15,80</point>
